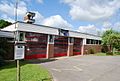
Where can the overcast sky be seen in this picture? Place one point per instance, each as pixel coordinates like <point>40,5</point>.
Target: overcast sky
<point>88,16</point>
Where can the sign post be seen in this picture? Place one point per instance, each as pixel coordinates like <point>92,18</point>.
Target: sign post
<point>19,54</point>
<point>18,70</point>
<point>19,50</point>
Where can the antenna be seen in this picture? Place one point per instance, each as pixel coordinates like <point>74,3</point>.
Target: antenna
<point>16,7</point>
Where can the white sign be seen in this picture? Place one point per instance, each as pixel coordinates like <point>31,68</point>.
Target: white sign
<point>19,52</point>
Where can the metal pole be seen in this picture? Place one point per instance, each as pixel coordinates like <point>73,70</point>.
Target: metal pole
<point>18,70</point>
<point>16,7</point>
<point>16,39</point>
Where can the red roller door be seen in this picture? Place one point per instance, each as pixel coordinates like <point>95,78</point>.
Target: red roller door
<point>77,46</point>
<point>60,46</point>
<point>36,45</point>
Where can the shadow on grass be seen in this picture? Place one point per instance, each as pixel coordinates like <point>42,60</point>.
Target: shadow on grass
<point>47,79</point>
<point>38,61</point>
<point>12,64</point>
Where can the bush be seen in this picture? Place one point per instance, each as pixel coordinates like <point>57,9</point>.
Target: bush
<point>92,51</point>
<point>105,48</point>
<point>109,53</point>
<point>117,53</point>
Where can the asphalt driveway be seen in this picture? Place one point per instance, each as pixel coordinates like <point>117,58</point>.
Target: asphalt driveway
<point>85,68</point>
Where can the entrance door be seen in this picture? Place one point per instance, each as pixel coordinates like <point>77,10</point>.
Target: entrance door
<point>60,46</point>
<point>77,46</point>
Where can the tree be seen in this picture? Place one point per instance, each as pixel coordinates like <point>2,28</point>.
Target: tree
<point>4,23</point>
<point>112,39</point>
<point>115,40</point>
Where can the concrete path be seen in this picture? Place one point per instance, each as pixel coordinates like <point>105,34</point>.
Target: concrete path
<point>85,68</point>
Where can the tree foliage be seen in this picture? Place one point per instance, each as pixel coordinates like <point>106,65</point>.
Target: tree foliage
<point>111,38</point>
<point>4,23</point>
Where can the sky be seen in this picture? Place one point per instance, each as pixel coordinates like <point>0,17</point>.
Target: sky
<point>87,16</point>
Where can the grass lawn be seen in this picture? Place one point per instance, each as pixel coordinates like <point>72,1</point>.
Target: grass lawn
<point>104,54</point>
<point>100,54</point>
<point>29,72</point>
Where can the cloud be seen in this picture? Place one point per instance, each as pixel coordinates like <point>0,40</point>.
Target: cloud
<point>56,21</point>
<point>40,1</point>
<point>38,17</point>
<point>87,10</point>
<point>106,26</point>
<point>8,11</point>
<point>91,29</point>
<point>9,8</point>
<point>116,26</point>
<point>5,17</point>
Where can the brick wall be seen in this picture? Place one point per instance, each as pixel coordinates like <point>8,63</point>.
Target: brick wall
<point>10,53</point>
<point>88,49</point>
<point>50,50</point>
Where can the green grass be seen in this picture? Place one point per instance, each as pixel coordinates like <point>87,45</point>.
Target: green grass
<point>29,72</point>
<point>100,54</point>
<point>104,54</point>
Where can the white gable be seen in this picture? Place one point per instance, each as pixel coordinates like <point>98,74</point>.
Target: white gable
<point>10,28</point>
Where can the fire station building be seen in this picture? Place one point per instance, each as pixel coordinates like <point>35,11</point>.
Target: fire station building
<point>49,42</point>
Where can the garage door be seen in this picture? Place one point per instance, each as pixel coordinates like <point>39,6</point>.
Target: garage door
<point>36,45</point>
<point>77,46</point>
<point>60,46</point>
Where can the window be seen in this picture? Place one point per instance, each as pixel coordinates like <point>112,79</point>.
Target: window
<point>71,40</point>
<point>97,42</point>
<point>21,36</point>
<point>51,38</point>
<point>100,41</point>
<point>92,41</point>
<point>88,41</point>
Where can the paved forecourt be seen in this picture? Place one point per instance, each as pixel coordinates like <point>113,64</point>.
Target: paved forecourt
<point>85,68</point>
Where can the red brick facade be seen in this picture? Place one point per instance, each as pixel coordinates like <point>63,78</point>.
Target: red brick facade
<point>37,46</point>
<point>70,50</point>
<point>50,51</point>
<point>88,49</point>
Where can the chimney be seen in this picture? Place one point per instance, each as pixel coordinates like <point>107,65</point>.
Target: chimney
<point>29,17</point>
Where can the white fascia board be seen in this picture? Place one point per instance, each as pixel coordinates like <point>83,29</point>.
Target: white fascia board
<point>93,37</point>
<point>36,28</point>
<point>76,34</point>
<point>82,35</point>
<point>6,34</point>
<point>50,30</point>
<point>11,27</point>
